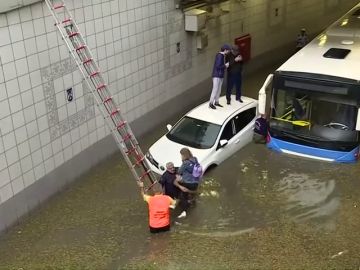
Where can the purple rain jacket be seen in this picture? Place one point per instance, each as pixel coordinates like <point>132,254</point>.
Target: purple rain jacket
<point>219,66</point>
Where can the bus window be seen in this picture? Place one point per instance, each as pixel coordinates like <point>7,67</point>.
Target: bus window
<point>338,116</point>
<point>292,107</point>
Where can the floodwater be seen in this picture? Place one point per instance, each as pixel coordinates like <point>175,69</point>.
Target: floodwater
<point>258,210</point>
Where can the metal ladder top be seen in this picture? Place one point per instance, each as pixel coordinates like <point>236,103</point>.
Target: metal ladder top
<point>91,73</point>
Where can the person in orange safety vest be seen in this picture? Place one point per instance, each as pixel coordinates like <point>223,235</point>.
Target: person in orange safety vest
<point>159,210</point>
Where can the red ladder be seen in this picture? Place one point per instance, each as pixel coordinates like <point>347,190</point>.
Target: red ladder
<point>119,127</point>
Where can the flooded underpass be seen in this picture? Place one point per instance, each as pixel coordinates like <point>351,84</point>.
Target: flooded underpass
<point>258,210</point>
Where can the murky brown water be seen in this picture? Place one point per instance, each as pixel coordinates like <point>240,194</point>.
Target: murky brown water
<point>258,210</point>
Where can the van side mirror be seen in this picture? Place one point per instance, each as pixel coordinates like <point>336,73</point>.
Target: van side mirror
<point>358,120</point>
<point>223,143</point>
<point>168,126</point>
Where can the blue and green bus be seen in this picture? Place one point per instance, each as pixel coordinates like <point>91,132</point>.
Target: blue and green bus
<point>313,109</point>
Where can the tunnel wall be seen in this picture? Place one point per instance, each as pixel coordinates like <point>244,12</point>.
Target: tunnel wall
<point>46,142</point>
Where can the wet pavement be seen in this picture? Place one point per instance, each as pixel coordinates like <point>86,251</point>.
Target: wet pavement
<point>258,210</point>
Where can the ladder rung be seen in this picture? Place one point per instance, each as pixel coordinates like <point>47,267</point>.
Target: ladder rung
<point>153,183</point>
<point>107,99</point>
<point>114,112</point>
<point>87,61</point>
<point>67,20</point>
<point>126,137</point>
<point>58,6</point>
<point>80,47</point>
<point>139,161</point>
<point>128,152</point>
<point>144,174</point>
<point>101,86</point>
<point>94,73</point>
<point>121,125</point>
<point>73,34</point>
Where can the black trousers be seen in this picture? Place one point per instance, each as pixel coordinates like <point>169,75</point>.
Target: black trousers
<point>233,80</point>
<point>161,229</point>
<point>185,196</point>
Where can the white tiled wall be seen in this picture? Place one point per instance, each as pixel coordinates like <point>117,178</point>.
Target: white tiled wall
<point>134,42</point>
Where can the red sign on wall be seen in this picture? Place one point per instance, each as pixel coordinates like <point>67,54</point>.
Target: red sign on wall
<point>244,43</point>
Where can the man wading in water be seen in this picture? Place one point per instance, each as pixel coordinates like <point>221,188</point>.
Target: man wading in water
<point>159,212</point>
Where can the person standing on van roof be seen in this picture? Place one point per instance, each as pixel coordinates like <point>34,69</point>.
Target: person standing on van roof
<point>301,40</point>
<point>159,212</point>
<point>234,74</point>
<point>218,75</point>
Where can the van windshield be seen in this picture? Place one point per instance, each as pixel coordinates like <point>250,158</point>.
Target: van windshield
<point>194,133</point>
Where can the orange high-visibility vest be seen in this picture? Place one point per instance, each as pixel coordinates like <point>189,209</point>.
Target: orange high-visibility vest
<point>159,212</point>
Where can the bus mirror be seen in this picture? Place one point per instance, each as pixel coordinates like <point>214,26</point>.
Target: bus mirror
<point>262,94</point>
<point>358,120</point>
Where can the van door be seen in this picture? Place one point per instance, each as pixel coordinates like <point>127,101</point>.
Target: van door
<point>228,132</point>
<point>244,127</point>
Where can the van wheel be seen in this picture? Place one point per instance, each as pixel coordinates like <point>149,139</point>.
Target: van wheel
<point>210,168</point>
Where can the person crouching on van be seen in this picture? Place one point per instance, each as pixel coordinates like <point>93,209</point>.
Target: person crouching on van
<point>260,129</point>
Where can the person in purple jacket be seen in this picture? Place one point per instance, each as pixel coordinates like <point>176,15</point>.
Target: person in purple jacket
<point>218,75</point>
<point>260,129</point>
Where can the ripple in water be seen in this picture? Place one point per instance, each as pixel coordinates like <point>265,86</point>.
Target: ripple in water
<point>308,197</point>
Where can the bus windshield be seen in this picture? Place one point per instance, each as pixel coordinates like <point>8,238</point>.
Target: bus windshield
<point>314,117</point>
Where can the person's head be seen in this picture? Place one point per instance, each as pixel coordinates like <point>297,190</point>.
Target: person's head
<point>225,48</point>
<point>170,167</point>
<point>235,49</point>
<point>263,115</point>
<point>303,31</point>
<point>157,190</point>
<point>185,154</point>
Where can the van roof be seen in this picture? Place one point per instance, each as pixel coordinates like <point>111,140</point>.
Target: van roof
<point>219,116</point>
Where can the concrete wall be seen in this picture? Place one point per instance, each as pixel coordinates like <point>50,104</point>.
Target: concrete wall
<point>46,142</point>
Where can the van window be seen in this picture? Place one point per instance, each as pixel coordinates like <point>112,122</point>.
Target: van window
<point>244,118</point>
<point>228,131</point>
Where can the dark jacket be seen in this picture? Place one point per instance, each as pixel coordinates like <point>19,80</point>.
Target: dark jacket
<point>186,170</point>
<point>261,126</point>
<point>219,66</point>
<point>234,67</point>
<point>167,182</point>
